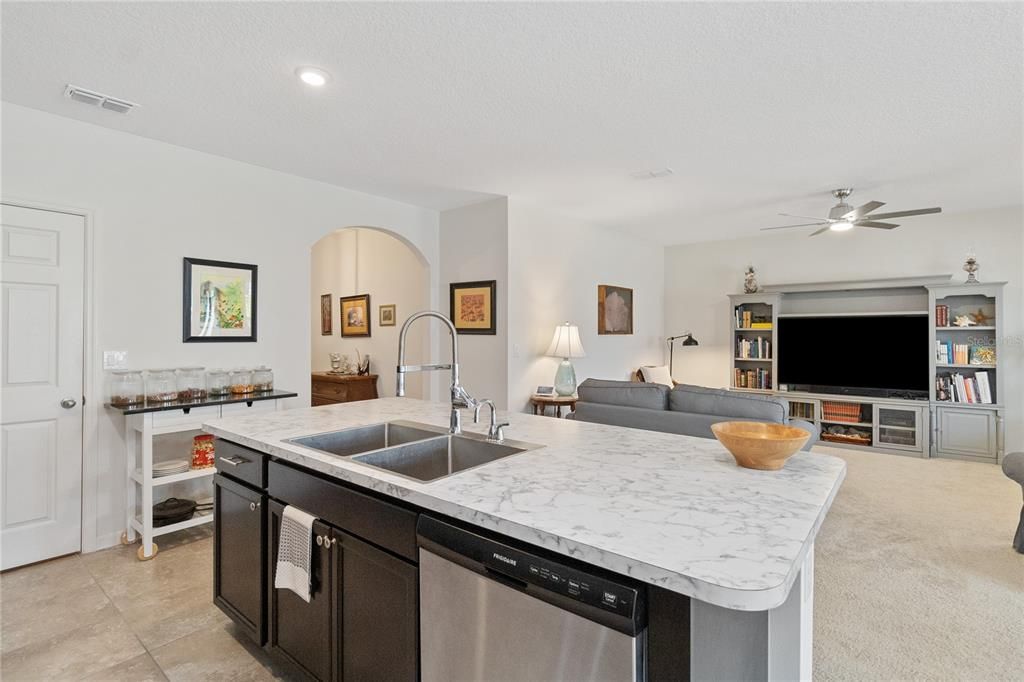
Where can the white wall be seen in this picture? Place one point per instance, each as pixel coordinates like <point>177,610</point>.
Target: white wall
<point>555,267</point>
<point>474,247</point>
<point>154,203</point>
<point>698,278</point>
<point>363,261</point>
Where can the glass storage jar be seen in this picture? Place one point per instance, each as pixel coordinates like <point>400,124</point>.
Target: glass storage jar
<point>126,388</point>
<point>217,382</point>
<point>161,386</point>
<point>192,383</point>
<point>263,379</point>
<point>241,381</point>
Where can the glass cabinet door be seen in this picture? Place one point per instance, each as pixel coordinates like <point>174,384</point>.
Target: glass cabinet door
<point>898,427</point>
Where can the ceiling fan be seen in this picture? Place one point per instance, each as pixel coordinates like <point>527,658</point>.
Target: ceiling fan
<point>844,217</point>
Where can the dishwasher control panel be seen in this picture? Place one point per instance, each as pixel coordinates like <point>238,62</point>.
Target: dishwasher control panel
<point>577,585</point>
<point>520,569</point>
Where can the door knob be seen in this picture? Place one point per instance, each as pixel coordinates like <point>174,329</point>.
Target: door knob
<point>68,403</point>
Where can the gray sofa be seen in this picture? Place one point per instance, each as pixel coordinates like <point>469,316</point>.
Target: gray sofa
<point>686,410</point>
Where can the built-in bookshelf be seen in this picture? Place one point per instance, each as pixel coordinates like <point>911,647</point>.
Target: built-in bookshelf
<point>966,331</point>
<point>752,331</point>
<point>963,416</point>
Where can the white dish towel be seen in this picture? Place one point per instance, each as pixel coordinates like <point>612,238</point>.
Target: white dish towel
<point>293,552</point>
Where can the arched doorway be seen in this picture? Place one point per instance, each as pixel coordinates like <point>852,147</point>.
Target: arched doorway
<point>355,261</point>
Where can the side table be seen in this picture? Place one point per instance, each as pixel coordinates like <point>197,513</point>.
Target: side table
<point>542,402</point>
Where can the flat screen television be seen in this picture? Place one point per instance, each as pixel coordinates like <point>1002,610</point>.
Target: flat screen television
<point>876,355</point>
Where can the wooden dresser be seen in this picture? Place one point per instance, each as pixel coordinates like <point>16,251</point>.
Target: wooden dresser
<point>328,389</point>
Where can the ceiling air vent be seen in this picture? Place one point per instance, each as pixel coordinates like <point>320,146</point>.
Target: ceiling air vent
<point>651,174</point>
<point>98,99</point>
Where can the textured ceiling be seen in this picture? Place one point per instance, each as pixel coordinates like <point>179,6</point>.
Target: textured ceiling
<point>758,108</point>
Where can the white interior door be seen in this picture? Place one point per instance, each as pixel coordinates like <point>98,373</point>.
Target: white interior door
<point>42,308</point>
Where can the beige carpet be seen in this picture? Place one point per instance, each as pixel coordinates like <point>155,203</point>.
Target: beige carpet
<point>915,576</point>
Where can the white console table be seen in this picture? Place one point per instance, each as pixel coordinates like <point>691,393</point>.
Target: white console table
<point>145,424</point>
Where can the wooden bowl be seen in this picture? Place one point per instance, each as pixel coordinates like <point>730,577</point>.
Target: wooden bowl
<point>757,445</point>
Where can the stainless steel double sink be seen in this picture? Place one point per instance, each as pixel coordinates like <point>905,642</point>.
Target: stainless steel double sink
<point>421,452</point>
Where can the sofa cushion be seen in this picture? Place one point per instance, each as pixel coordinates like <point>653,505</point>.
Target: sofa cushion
<point>624,393</point>
<point>700,400</point>
<point>682,423</point>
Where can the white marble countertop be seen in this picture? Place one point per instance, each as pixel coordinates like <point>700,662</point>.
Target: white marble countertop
<point>672,511</point>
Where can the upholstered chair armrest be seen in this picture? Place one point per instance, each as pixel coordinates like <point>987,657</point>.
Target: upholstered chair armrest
<point>806,426</point>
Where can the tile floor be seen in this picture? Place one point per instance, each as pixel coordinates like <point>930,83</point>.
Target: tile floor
<point>106,616</point>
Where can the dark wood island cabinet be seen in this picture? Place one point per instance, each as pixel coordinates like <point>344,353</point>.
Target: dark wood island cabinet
<point>362,620</point>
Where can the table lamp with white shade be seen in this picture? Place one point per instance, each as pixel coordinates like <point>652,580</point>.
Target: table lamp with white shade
<point>566,344</point>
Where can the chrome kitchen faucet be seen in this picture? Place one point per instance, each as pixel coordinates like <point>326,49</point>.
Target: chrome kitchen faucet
<point>460,398</point>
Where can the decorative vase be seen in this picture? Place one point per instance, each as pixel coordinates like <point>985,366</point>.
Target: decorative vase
<point>565,378</point>
<point>971,267</point>
<point>750,281</point>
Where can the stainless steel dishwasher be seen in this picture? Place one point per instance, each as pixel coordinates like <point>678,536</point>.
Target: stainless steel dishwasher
<point>489,611</point>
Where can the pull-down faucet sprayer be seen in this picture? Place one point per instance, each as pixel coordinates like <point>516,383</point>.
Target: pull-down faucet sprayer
<point>460,398</point>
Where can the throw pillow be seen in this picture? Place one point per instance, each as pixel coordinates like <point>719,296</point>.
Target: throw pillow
<point>657,375</point>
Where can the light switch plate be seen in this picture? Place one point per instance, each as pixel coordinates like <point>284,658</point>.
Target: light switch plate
<point>115,359</point>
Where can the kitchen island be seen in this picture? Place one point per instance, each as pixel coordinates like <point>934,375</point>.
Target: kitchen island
<point>673,512</point>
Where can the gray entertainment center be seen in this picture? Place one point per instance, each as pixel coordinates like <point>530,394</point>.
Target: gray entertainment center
<point>959,421</point>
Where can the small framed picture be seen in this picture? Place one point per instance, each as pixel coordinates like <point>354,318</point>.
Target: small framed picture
<point>614,310</point>
<point>218,301</point>
<point>355,315</point>
<point>326,314</point>
<point>982,354</point>
<point>473,307</point>
<point>386,315</point>
<point>545,390</point>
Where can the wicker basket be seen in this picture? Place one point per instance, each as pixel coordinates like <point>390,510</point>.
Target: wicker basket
<point>842,438</point>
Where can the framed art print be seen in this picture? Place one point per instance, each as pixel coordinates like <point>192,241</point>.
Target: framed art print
<point>473,307</point>
<point>355,315</point>
<point>326,314</point>
<point>386,314</point>
<point>614,310</point>
<point>218,301</point>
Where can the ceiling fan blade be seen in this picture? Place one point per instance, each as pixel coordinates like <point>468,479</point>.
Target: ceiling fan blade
<point>786,227</point>
<point>873,223</point>
<point>902,214</point>
<point>861,211</point>
<point>817,232</point>
<point>809,217</point>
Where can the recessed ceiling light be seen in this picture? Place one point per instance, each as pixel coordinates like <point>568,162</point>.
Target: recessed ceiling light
<point>841,226</point>
<point>310,75</point>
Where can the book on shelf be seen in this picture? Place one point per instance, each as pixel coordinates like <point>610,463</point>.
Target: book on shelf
<point>752,378</point>
<point>753,349</point>
<point>941,315</point>
<point>745,319</point>
<point>949,353</point>
<point>958,388</point>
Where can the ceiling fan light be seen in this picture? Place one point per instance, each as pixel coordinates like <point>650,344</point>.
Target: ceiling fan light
<point>841,226</point>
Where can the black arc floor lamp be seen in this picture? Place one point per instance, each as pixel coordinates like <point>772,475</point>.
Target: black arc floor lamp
<point>688,340</point>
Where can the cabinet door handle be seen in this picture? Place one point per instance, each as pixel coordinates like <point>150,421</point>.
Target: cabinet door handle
<point>319,540</point>
<point>253,506</point>
<point>233,461</point>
